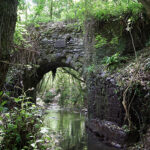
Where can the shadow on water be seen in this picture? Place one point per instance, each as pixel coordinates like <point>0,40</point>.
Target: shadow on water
<point>71,127</point>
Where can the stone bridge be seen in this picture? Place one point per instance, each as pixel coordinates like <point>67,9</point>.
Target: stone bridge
<point>62,45</point>
<point>58,45</point>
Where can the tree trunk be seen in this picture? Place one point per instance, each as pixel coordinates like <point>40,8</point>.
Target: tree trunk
<point>8,18</point>
<point>146,4</point>
<point>51,9</point>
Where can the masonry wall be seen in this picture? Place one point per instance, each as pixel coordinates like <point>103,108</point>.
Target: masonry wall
<point>105,110</point>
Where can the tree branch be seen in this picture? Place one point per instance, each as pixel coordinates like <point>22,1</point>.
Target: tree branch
<point>73,75</point>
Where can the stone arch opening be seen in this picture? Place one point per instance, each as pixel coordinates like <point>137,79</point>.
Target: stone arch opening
<point>57,46</point>
<point>33,77</point>
<point>65,87</point>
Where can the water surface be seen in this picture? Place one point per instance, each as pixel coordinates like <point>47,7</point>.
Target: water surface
<point>70,128</point>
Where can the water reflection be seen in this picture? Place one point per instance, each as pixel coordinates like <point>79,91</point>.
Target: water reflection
<point>94,144</point>
<point>71,126</point>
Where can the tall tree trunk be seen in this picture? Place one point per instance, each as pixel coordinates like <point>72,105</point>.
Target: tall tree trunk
<point>51,9</point>
<point>146,4</point>
<point>8,18</point>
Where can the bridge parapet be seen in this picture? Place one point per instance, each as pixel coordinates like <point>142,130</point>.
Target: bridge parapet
<point>61,44</point>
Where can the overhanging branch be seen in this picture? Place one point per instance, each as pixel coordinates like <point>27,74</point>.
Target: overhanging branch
<point>73,75</point>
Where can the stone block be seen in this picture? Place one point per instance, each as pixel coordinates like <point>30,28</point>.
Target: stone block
<point>111,132</point>
<point>60,43</point>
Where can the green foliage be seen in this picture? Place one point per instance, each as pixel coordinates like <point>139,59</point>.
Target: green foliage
<point>100,41</point>
<point>21,126</point>
<point>19,32</point>
<point>51,10</point>
<point>126,128</point>
<point>113,61</point>
<point>70,90</point>
<point>54,10</point>
<point>114,41</point>
<point>49,97</point>
<point>103,10</point>
<point>91,68</point>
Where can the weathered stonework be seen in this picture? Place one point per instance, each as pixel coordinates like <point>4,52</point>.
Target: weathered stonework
<point>59,45</point>
<point>105,96</point>
<point>108,132</point>
<point>62,45</point>
<point>107,101</point>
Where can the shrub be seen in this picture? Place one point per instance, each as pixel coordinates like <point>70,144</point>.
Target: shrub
<point>20,128</point>
<point>100,41</point>
<point>91,68</point>
<point>113,61</point>
<point>49,97</point>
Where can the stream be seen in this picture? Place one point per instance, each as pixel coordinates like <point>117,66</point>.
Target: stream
<point>69,128</point>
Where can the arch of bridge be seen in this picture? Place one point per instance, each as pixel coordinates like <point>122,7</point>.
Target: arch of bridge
<point>59,45</point>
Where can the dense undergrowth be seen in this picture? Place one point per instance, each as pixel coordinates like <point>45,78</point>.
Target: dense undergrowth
<point>21,125</point>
